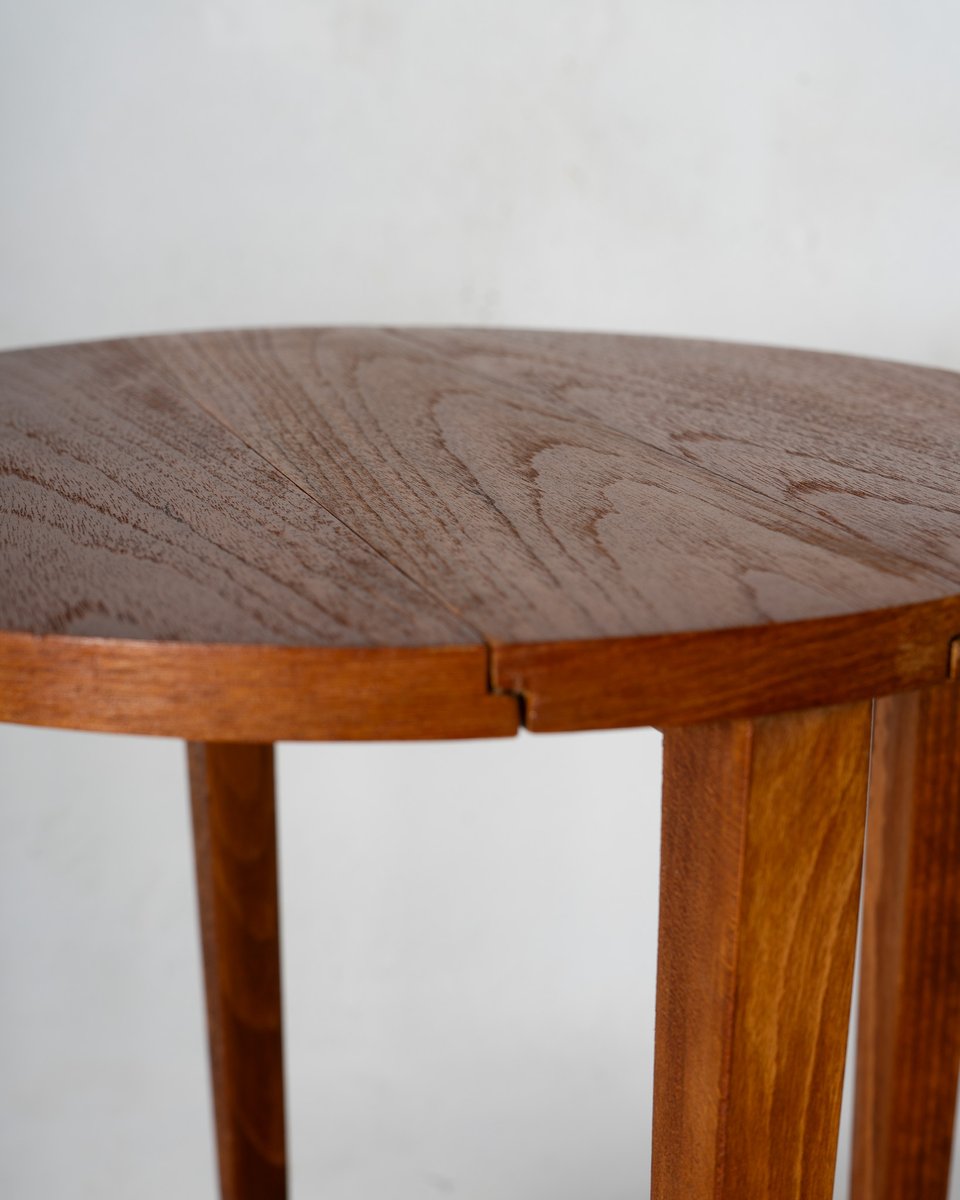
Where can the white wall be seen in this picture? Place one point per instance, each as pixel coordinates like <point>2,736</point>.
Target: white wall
<point>470,929</point>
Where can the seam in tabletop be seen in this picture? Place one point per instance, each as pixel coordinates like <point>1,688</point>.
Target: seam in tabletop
<point>485,643</point>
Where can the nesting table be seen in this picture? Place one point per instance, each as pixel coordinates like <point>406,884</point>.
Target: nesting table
<point>238,538</point>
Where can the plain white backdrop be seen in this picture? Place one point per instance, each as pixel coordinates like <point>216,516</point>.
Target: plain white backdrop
<point>469,928</point>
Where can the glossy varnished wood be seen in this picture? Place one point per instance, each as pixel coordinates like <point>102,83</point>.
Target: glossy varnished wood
<point>909,1029</point>
<point>232,793</point>
<point>599,525</point>
<point>760,876</point>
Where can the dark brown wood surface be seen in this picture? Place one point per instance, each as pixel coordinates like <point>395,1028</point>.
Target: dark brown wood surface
<point>869,447</point>
<point>160,577</point>
<point>590,521</point>
<point>909,1030</point>
<point>234,825</point>
<point>759,887</point>
<point>533,524</point>
<point>129,513</point>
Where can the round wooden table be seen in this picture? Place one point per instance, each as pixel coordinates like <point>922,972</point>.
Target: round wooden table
<point>243,537</point>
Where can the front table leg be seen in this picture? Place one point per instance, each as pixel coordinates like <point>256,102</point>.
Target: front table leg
<point>763,824</point>
<point>234,827</point>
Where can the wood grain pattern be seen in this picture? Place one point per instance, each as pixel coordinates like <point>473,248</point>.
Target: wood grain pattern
<point>128,513</point>
<point>596,520</point>
<point>909,1029</point>
<point>167,572</point>
<point>251,693</point>
<point>760,876</point>
<point>615,581</point>
<point>234,824</point>
<point>869,446</point>
<point>686,678</point>
<point>531,525</point>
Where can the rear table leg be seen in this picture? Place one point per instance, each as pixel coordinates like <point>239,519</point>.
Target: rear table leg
<point>909,1033</point>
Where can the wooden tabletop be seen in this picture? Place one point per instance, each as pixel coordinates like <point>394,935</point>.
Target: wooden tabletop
<point>341,533</point>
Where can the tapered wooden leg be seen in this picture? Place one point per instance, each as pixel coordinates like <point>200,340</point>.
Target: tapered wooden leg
<point>763,825</point>
<point>909,1031</point>
<point>234,823</point>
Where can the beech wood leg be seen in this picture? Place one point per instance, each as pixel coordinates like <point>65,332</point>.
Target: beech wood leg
<point>909,1030</point>
<point>763,824</point>
<point>234,824</point>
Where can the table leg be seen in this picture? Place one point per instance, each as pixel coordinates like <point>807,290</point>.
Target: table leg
<point>763,824</point>
<point>234,823</point>
<point>909,1030</point>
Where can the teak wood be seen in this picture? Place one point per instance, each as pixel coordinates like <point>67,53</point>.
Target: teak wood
<point>600,526</point>
<point>232,794</point>
<point>759,887</point>
<point>244,537</point>
<point>867,446</point>
<point>251,693</point>
<point>909,1032</point>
